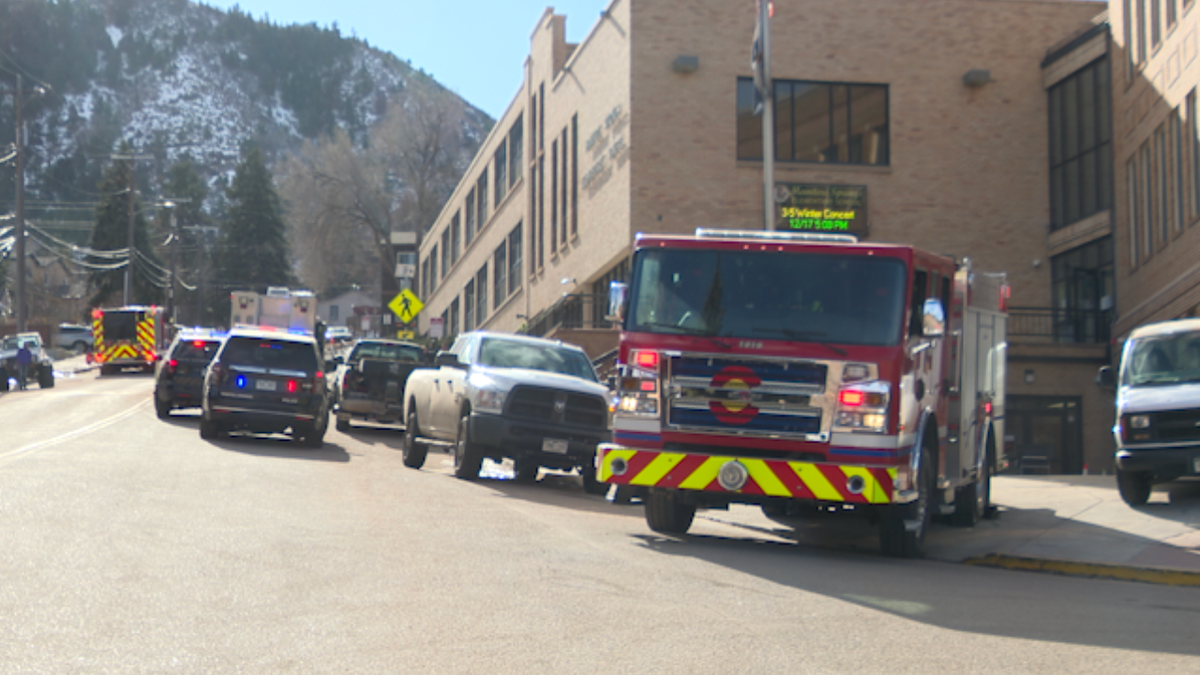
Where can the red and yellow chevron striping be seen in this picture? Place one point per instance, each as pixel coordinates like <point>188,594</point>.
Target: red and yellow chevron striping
<point>773,478</point>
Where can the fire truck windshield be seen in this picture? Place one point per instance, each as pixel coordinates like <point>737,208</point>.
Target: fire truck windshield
<point>767,295</point>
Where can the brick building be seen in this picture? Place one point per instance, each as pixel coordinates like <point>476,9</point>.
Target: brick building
<point>934,112</point>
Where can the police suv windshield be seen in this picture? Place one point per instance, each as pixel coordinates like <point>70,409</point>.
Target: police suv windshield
<point>842,299</point>
<point>1165,359</point>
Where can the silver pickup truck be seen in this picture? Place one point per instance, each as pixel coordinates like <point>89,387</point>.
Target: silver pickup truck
<point>495,395</point>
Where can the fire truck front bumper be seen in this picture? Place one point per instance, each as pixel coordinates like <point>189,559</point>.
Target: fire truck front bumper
<point>745,477</point>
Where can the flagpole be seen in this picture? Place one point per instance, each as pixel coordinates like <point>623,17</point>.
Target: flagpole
<point>768,117</point>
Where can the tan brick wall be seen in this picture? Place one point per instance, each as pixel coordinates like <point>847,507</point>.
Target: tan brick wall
<point>1164,284</point>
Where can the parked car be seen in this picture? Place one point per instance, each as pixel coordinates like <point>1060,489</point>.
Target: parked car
<point>267,381</point>
<point>41,369</point>
<point>1157,428</point>
<point>370,383</point>
<point>74,337</point>
<point>179,376</point>
<point>494,395</point>
<point>338,334</point>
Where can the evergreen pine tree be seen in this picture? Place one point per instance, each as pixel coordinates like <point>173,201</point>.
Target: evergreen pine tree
<point>253,247</point>
<point>111,233</point>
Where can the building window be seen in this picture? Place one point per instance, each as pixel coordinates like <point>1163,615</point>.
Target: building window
<point>1080,145</point>
<point>553,197</point>
<point>541,114</point>
<point>1135,210</point>
<point>1155,22</point>
<point>455,239</point>
<point>1128,30</point>
<point>516,151</point>
<point>469,306</point>
<point>574,180</point>
<point>500,264</point>
<point>1147,199</point>
<point>433,268</point>
<point>453,325</point>
<point>481,198</point>
<point>1141,31</point>
<point>445,252</point>
<point>820,122</point>
<point>539,210</point>
<point>469,218</point>
<point>1162,182</point>
<point>1177,167</point>
<point>481,290</point>
<point>500,161</point>
<point>333,313</point>
<point>1082,287</point>
<point>1172,14</point>
<point>562,184</point>
<point>514,263</point>
<point>1194,145</point>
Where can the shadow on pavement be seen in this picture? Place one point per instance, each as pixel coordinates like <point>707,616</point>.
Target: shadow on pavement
<point>281,446</point>
<point>985,601</point>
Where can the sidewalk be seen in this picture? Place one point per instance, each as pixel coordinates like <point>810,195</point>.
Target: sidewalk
<point>1075,525</point>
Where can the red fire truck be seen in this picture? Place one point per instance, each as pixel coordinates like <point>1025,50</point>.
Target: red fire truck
<point>127,337</point>
<point>808,373</point>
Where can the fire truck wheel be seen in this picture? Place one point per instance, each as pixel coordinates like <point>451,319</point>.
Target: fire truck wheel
<point>1134,486</point>
<point>902,528</point>
<point>666,513</point>
<point>971,502</point>
<point>591,484</point>
<point>467,456</point>
<point>162,408</point>
<point>414,451</point>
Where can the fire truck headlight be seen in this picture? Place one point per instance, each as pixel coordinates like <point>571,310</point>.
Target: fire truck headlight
<point>638,405</point>
<point>863,406</point>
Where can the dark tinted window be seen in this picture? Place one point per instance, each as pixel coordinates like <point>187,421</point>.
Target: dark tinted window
<point>280,354</point>
<point>195,350</point>
<point>375,350</point>
<point>121,326</point>
<point>846,299</point>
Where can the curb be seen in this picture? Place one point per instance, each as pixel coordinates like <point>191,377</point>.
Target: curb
<point>1151,575</point>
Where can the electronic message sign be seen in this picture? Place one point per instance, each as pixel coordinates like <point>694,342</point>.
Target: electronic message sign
<point>821,208</point>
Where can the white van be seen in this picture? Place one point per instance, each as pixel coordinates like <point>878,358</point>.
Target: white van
<point>1157,427</point>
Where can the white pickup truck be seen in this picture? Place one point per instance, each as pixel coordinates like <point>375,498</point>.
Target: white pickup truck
<point>495,395</point>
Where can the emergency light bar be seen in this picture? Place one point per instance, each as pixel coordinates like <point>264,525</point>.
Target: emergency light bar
<point>767,235</point>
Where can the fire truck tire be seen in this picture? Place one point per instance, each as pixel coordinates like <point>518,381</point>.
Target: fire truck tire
<point>468,458</point>
<point>591,484</point>
<point>666,513</point>
<point>1134,486</point>
<point>413,453</point>
<point>972,502</point>
<point>162,408</point>
<point>896,538</point>
<point>46,377</point>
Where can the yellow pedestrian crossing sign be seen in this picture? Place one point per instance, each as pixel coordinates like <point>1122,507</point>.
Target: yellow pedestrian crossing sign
<point>406,305</point>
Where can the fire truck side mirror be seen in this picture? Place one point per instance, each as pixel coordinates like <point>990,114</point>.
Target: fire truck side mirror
<point>933,321</point>
<point>617,292</point>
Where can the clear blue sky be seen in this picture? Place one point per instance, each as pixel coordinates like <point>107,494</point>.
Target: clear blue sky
<point>476,48</point>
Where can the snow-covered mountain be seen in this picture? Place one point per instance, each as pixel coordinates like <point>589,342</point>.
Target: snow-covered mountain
<point>173,77</point>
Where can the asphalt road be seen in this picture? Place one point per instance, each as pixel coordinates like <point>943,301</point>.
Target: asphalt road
<point>129,545</point>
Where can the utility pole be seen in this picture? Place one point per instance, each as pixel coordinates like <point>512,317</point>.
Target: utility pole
<point>173,245</point>
<point>132,250</point>
<point>18,147</point>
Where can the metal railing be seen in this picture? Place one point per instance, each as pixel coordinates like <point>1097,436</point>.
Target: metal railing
<point>1061,325</point>
<point>581,310</point>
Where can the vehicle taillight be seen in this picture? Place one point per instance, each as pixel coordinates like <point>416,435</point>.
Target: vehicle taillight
<point>851,398</point>
<point>198,344</point>
<point>292,386</point>
<point>173,364</point>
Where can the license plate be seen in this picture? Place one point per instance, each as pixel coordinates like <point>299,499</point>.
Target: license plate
<point>264,385</point>
<point>556,445</point>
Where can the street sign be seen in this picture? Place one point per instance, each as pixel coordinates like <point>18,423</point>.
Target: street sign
<point>405,335</point>
<point>437,327</point>
<point>406,305</point>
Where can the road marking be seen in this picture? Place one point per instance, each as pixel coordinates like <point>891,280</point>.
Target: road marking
<point>78,432</point>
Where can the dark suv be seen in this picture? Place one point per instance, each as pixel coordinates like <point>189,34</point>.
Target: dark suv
<point>179,377</point>
<point>267,381</point>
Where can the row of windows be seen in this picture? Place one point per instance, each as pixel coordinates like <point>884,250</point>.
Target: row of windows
<point>1163,183</point>
<point>472,217</point>
<point>1146,22</point>
<point>471,305</point>
<point>826,122</point>
<point>562,196</point>
<point>1080,145</point>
